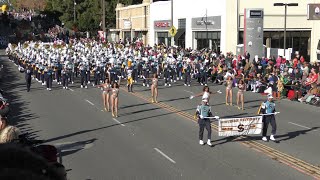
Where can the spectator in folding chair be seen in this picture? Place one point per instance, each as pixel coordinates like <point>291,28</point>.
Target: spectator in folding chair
<point>311,94</point>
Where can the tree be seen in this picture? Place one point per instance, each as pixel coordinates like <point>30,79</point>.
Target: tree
<point>29,4</point>
<point>88,12</point>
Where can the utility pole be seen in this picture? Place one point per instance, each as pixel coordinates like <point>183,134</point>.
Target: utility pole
<point>207,27</point>
<point>172,37</point>
<point>104,18</point>
<point>285,31</point>
<point>285,23</point>
<point>74,11</point>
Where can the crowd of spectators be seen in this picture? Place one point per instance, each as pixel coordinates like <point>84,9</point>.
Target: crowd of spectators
<point>282,78</point>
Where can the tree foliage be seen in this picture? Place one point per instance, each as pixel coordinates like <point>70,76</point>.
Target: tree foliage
<point>88,12</point>
<point>28,4</point>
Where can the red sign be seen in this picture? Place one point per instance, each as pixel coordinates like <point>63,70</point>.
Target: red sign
<point>162,24</point>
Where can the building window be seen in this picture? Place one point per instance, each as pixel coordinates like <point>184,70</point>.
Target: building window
<point>208,39</point>
<point>181,23</point>
<point>163,38</point>
<point>163,34</point>
<point>298,40</point>
<point>127,35</point>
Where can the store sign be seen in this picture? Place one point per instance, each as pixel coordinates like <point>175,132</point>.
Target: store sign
<point>166,24</point>
<point>210,22</point>
<point>126,24</point>
<point>256,14</point>
<point>204,22</point>
<point>313,12</point>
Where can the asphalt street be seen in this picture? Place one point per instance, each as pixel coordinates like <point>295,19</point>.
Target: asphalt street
<point>147,141</point>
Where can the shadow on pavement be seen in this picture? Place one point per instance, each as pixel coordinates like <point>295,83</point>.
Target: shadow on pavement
<point>67,148</point>
<point>283,137</point>
<point>294,134</point>
<point>12,84</point>
<point>224,140</point>
<point>134,105</point>
<point>170,100</point>
<point>113,125</point>
<point>140,111</point>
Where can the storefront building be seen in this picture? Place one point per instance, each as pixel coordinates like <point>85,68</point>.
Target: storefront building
<point>160,20</point>
<point>302,34</point>
<point>206,32</point>
<point>219,25</point>
<point>198,26</point>
<point>132,22</point>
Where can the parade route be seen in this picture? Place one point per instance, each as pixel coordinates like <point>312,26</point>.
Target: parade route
<point>159,141</point>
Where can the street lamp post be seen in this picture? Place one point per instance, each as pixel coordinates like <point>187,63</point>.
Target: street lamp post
<point>74,11</point>
<point>285,22</point>
<point>104,18</point>
<point>207,28</point>
<point>172,37</point>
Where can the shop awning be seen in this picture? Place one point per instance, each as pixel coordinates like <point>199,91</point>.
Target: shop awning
<point>142,29</point>
<point>115,30</point>
<point>179,33</point>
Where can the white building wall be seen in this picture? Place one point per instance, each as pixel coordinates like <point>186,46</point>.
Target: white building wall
<point>191,9</point>
<point>158,11</point>
<point>188,9</point>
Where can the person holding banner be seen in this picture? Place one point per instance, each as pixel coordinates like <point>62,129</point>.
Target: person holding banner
<point>203,113</point>
<point>268,111</point>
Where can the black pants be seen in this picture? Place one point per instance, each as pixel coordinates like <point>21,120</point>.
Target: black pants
<point>28,84</point>
<point>88,76</point>
<point>49,81</point>
<point>266,120</point>
<point>146,75</point>
<point>83,80</point>
<point>96,78</point>
<point>65,80</point>
<point>204,78</point>
<point>187,78</point>
<point>167,75</point>
<point>204,123</point>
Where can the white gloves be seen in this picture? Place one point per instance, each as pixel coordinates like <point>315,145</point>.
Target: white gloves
<point>191,97</point>
<point>216,117</point>
<point>201,117</point>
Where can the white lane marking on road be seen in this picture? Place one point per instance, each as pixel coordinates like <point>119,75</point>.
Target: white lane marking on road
<point>89,102</point>
<point>188,91</point>
<point>118,122</point>
<point>71,90</point>
<point>300,125</point>
<point>164,155</point>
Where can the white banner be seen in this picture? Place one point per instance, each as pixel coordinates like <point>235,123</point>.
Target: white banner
<point>240,126</point>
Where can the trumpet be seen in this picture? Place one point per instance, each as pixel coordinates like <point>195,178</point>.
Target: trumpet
<point>120,46</point>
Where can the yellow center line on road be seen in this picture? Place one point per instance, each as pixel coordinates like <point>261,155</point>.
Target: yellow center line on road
<point>298,164</point>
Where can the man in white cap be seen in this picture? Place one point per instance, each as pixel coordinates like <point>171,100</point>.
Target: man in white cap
<point>268,110</point>
<point>203,112</point>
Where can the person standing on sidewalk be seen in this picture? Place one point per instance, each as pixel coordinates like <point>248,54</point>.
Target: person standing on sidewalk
<point>268,110</point>
<point>203,112</point>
